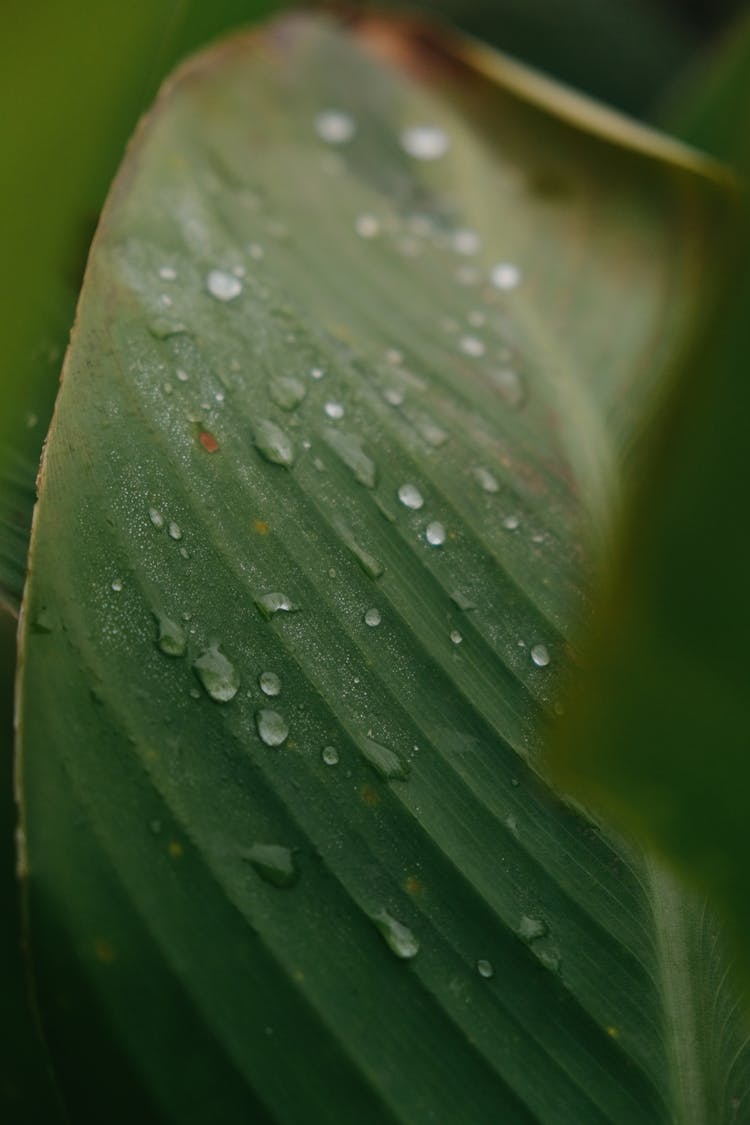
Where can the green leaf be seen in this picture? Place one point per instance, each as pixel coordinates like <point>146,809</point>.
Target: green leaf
<point>450,941</point>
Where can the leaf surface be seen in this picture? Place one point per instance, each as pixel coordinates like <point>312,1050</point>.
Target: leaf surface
<point>368,328</point>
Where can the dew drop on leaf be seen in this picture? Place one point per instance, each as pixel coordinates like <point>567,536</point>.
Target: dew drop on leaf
<point>348,448</point>
<point>218,676</point>
<point>330,755</point>
<point>435,534</point>
<point>540,656</point>
<point>425,142</point>
<point>334,126</point>
<point>274,863</point>
<point>275,602</point>
<point>385,761</point>
<point>456,637</point>
<point>411,497</point>
<point>334,410</point>
<point>273,443</point>
<point>372,617</point>
<point>272,727</point>
<point>222,285</point>
<point>171,639</point>
<point>485,479</point>
<point>511,523</point>
<point>484,968</point>
<point>286,391</point>
<point>531,929</point>
<point>505,276</point>
<point>157,519</point>
<point>398,937</point>
<point>270,683</point>
<point>174,530</point>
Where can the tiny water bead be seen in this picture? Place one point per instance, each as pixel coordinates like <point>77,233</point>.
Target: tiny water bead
<point>171,639</point>
<point>272,727</point>
<point>485,969</point>
<point>373,617</point>
<point>398,937</point>
<point>330,755</point>
<point>334,410</point>
<point>274,863</point>
<point>540,656</point>
<point>486,481</point>
<point>511,523</point>
<point>334,126</point>
<point>222,285</point>
<point>349,449</point>
<point>466,241</point>
<point>383,760</point>
<point>117,585</point>
<point>157,519</point>
<point>367,226</point>
<point>168,273</point>
<point>270,683</point>
<point>425,142</point>
<point>411,497</point>
<point>435,534</point>
<point>174,531</point>
<point>218,676</point>
<point>531,929</point>
<point>273,444</point>
<point>286,391</point>
<point>182,375</point>
<point>509,385</point>
<point>275,602</point>
<point>316,372</point>
<point>505,276</point>
<point>472,346</point>
<point>456,637</point>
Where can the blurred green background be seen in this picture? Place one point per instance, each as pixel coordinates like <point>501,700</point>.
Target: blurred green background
<point>74,80</point>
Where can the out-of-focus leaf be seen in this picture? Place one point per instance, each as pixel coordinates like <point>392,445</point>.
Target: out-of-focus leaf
<point>660,734</point>
<point>316,520</point>
<point>710,106</point>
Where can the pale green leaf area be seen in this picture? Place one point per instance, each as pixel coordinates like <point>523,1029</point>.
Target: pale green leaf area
<point>309,869</point>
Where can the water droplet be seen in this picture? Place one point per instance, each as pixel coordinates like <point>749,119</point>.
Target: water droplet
<point>162,328</point>
<point>466,241</point>
<point>168,273</point>
<point>273,444</point>
<point>274,863</point>
<point>464,604</point>
<point>505,276</point>
<point>222,285</point>
<point>435,534</point>
<point>411,497</point>
<point>275,602</point>
<point>510,385</point>
<point>429,430</point>
<point>272,727</point>
<point>174,531</point>
<point>372,567</point>
<point>348,448</point>
<point>456,637</point>
<point>117,585</point>
<point>540,656</point>
<point>367,226</point>
<point>334,410</point>
<point>398,937</point>
<point>425,142</point>
<point>219,677</point>
<point>157,519</point>
<point>393,396</point>
<point>472,345</point>
<point>316,372</point>
<point>384,760</point>
<point>330,755</point>
<point>286,391</point>
<point>270,683</point>
<point>171,639</point>
<point>531,929</point>
<point>484,968</point>
<point>373,617</point>
<point>485,479</point>
<point>334,126</point>
<point>551,959</point>
<point>208,441</point>
<point>511,523</point>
